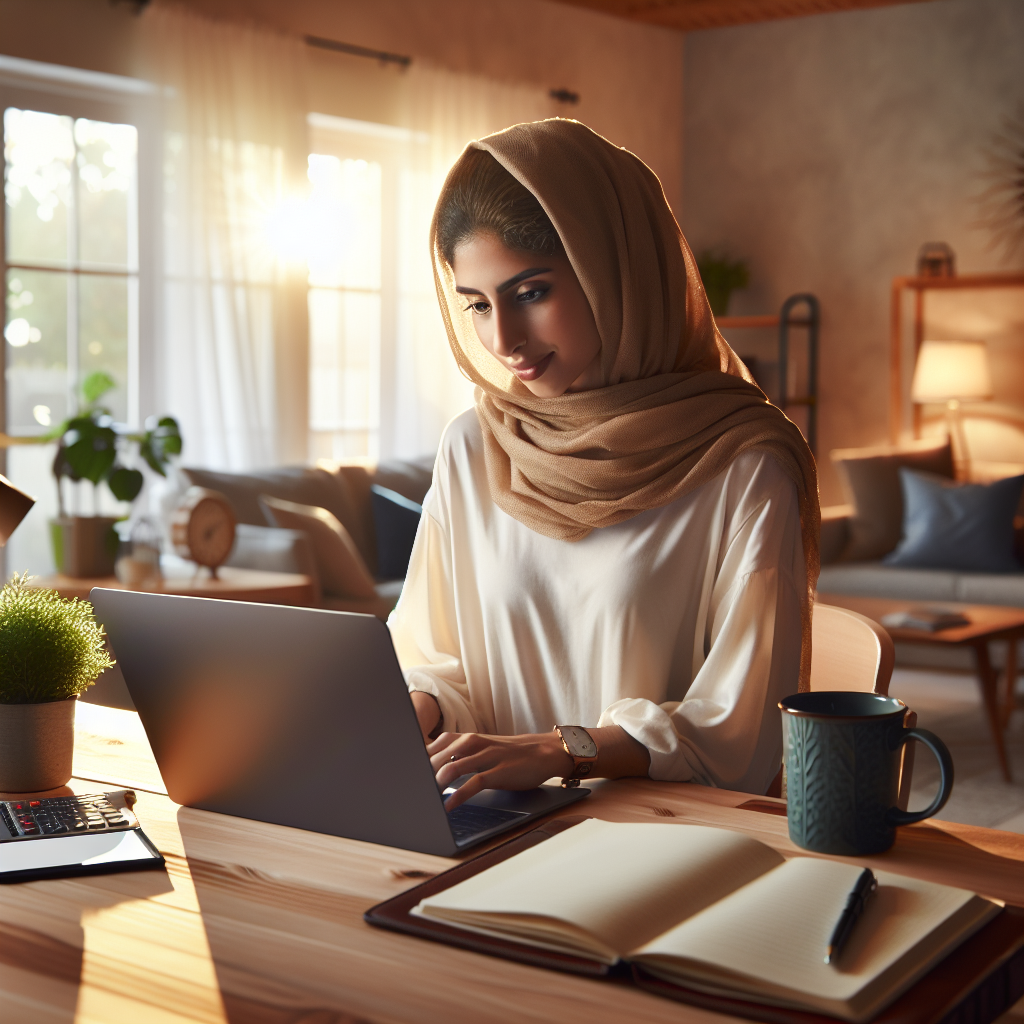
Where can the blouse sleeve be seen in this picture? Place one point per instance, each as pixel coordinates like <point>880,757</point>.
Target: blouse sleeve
<point>726,731</point>
<point>424,625</point>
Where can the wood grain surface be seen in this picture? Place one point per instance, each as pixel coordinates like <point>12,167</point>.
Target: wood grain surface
<point>260,924</point>
<point>231,584</point>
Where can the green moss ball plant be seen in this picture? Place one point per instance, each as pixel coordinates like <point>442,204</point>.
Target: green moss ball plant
<point>51,649</point>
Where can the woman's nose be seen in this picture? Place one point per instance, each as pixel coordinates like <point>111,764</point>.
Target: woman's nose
<point>508,334</point>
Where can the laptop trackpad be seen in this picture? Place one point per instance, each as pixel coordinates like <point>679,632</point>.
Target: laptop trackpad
<point>541,800</point>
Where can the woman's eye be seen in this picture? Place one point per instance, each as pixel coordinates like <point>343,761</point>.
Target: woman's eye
<point>531,294</point>
<point>480,307</point>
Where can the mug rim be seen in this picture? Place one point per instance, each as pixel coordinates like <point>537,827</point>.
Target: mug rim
<point>901,710</point>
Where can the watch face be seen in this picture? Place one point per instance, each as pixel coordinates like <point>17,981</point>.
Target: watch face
<point>578,741</point>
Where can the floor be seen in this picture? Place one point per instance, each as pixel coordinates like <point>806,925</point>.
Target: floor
<point>948,704</point>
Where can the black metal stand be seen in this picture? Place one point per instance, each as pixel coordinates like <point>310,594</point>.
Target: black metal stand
<point>812,321</point>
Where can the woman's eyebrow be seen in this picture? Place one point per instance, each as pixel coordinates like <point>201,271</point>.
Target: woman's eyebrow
<point>505,285</point>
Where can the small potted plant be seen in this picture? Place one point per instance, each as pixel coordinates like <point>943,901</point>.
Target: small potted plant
<point>721,276</point>
<point>51,649</point>
<point>91,446</point>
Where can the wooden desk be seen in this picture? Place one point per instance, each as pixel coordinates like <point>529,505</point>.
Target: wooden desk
<point>260,924</point>
<point>230,585</point>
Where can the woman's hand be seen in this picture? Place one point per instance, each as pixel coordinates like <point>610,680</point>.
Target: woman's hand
<point>526,761</point>
<point>496,762</point>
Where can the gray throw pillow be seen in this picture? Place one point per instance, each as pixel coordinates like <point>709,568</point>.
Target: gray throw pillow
<point>872,480</point>
<point>964,527</point>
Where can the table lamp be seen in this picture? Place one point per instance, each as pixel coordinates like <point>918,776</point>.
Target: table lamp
<point>953,372</point>
<point>14,506</point>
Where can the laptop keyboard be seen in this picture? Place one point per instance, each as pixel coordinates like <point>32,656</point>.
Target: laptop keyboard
<point>59,815</point>
<point>468,820</point>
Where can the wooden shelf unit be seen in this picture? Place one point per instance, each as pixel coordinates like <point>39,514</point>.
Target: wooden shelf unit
<point>920,285</point>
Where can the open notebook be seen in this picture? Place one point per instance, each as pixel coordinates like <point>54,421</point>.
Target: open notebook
<point>715,911</point>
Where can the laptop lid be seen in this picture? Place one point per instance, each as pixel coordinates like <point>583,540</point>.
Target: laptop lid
<point>296,716</point>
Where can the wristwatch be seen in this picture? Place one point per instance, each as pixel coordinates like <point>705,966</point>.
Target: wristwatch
<point>580,746</point>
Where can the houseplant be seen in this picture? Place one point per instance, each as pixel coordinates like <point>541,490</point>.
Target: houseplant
<point>51,649</point>
<point>721,276</point>
<point>91,446</point>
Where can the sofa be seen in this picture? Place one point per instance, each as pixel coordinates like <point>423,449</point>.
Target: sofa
<point>344,489</point>
<point>856,537</point>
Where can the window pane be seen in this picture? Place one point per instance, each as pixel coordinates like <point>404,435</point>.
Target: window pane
<point>38,150</point>
<point>35,332</point>
<point>103,335</point>
<point>106,192</point>
<point>344,333</point>
<point>344,222</point>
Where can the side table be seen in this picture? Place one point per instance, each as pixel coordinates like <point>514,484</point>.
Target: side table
<point>229,585</point>
<point>988,623</point>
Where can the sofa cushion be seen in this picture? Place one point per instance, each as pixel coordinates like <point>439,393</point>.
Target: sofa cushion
<point>871,476</point>
<point>873,579</point>
<point>339,565</point>
<point>303,485</point>
<point>396,520</point>
<point>965,527</point>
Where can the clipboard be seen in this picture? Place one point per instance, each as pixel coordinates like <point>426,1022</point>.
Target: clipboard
<point>70,856</point>
<point>979,980</point>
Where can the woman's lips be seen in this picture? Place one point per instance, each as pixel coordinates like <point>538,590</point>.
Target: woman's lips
<point>535,371</point>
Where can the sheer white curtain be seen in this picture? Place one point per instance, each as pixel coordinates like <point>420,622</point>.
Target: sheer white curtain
<point>443,111</point>
<point>230,360</point>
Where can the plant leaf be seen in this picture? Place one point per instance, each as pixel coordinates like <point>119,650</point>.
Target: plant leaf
<point>88,449</point>
<point>125,483</point>
<point>96,385</point>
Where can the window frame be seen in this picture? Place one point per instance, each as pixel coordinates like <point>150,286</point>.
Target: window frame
<point>75,93</point>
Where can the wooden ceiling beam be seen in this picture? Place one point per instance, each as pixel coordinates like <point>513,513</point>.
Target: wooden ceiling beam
<point>690,15</point>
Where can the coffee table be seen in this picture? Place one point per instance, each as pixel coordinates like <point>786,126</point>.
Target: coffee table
<point>988,623</point>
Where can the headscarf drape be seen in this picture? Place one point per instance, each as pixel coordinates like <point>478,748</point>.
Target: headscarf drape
<point>677,405</point>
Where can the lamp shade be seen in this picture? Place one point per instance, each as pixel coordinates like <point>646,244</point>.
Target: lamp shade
<point>951,369</point>
<point>14,506</point>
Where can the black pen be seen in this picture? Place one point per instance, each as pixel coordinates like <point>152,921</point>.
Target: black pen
<point>862,889</point>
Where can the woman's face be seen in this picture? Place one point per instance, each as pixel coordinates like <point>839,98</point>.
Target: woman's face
<point>531,314</point>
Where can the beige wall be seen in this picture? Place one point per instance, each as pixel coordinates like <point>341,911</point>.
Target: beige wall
<point>629,76</point>
<point>825,150</point>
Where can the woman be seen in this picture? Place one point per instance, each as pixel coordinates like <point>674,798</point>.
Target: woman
<point>622,536</point>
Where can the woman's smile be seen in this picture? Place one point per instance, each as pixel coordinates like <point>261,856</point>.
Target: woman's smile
<point>534,372</point>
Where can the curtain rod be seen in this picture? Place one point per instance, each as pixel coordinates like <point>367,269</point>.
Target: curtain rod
<point>358,51</point>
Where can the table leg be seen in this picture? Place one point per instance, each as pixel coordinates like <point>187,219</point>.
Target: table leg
<point>988,680</point>
<point>1010,696</point>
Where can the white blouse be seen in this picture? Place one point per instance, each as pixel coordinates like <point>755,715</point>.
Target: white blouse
<point>680,625</point>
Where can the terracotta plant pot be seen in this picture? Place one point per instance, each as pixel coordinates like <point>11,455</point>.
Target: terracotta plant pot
<point>37,744</point>
<point>84,546</point>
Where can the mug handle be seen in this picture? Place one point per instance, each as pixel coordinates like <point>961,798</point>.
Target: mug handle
<point>894,816</point>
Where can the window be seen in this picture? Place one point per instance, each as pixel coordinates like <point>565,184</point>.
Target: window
<point>70,259</point>
<point>71,252</point>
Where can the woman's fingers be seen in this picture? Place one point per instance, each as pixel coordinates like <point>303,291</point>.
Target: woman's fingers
<point>471,787</point>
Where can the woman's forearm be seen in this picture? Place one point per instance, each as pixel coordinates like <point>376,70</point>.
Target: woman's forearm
<point>619,756</point>
<point>428,713</point>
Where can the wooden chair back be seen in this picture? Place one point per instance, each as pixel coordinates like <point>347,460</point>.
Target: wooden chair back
<point>849,651</point>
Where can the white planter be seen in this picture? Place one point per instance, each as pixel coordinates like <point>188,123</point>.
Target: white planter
<point>37,745</point>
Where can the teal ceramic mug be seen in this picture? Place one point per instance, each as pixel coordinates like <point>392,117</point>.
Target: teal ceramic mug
<point>843,752</point>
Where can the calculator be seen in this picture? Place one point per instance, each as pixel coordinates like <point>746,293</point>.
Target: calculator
<point>61,815</point>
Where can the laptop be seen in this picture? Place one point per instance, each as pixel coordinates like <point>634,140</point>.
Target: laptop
<point>296,716</point>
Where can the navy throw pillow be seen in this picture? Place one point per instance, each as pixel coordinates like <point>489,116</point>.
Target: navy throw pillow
<point>966,527</point>
<point>395,520</point>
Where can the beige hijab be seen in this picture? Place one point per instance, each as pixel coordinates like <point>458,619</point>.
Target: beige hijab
<point>677,405</point>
